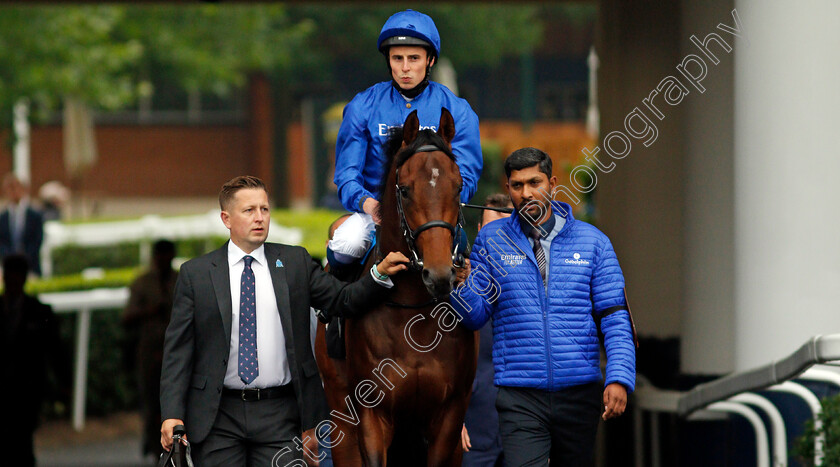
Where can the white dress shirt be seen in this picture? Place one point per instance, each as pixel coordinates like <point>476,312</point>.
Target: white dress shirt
<point>271,342</point>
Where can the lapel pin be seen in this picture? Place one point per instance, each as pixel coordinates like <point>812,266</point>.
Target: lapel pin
<point>278,264</point>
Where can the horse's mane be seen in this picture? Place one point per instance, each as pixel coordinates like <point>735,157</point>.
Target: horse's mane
<point>396,158</point>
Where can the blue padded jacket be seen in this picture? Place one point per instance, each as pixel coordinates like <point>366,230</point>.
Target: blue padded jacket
<point>359,155</point>
<point>549,340</point>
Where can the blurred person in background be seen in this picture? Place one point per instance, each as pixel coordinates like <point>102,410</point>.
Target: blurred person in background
<point>54,196</point>
<point>31,348</point>
<point>21,225</point>
<point>144,320</point>
<point>480,436</point>
<point>410,43</point>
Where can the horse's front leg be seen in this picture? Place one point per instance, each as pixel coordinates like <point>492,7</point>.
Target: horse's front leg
<point>375,432</point>
<point>444,434</point>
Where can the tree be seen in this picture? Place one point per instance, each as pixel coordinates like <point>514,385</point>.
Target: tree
<point>470,34</point>
<point>47,53</point>
<point>99,54</point>
<point>102,57</point>
<point>213,48</point>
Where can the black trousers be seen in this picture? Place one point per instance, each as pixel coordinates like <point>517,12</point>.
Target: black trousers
<point>253,434</point>
<point>561,425</point>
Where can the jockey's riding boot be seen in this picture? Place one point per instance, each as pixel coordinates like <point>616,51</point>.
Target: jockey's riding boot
<point>342,271</point>
<point>336,348</point>
<point>345,272</point>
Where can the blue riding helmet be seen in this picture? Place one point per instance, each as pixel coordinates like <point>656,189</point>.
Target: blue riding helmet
<point>409,27</point>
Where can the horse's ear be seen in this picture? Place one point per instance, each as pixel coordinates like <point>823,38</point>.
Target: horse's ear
<point>410,128</point>
<point>446,127</point>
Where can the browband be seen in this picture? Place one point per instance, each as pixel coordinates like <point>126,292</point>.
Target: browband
<point>427,148</point>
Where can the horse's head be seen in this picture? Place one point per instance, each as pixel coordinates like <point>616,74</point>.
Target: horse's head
<point>428,189</point>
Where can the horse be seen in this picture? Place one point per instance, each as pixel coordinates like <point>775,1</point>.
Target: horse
<point>406,380</point>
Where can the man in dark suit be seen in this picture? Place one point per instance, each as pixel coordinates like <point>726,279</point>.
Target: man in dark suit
<point>239,373</point>
<point>21,226</point>
<point>30,345</point>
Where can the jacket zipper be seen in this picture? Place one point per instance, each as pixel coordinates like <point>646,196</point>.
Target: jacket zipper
<point>544,306</point>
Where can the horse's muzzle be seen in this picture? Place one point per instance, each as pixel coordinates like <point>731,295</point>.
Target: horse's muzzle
<point>439,282</point>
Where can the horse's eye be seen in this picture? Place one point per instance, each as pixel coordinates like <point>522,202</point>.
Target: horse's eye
<point>404,191</point>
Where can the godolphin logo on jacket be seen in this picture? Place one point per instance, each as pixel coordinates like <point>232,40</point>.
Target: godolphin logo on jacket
<point>577,260</point>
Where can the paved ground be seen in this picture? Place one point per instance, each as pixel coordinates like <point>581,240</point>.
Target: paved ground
<point>107,442</point>
<point>113,453</point>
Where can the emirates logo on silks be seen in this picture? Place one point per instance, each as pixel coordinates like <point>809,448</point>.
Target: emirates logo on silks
<point>577,260</point>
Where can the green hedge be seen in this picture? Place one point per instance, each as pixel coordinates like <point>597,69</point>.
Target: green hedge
<point>71,282</point>
<point>73,259</point>
<point>829,430</point>
<point>111,386</point>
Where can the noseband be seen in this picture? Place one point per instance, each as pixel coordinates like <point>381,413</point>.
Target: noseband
<point>411,235</point>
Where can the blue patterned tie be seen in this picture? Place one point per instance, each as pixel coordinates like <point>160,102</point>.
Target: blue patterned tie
<point>249,368</point>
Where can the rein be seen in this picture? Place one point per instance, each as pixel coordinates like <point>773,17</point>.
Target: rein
<point>488,208</point>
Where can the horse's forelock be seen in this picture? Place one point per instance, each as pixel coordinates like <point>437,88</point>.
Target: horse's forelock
<point>397,154</point>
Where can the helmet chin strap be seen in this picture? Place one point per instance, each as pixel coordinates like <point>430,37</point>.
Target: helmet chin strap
<point>413,92</point>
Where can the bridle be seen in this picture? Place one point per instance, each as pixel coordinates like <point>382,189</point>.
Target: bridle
<point>411,235</point>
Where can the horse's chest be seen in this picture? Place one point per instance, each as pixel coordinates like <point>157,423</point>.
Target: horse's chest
<point>425,345</point>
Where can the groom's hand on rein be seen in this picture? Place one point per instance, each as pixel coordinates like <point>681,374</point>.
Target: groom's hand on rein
<point>461,274</point>
<point>393,263</point>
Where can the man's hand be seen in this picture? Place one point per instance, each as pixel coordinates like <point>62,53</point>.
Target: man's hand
<point>166,432</point>
<point>392,264</point>
<point>615,400</point>
<point>465,439</point>
<point>461,274</point>
<point>310,448</point>
<point>371,206</point>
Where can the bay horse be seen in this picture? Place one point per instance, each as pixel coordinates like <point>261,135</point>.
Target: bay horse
<point>406,380</point>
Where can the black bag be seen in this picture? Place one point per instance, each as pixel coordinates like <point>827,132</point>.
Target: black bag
<point>179,454</point>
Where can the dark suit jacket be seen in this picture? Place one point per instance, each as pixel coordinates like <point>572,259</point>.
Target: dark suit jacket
<point>33,236</point>
<point>197,343</point>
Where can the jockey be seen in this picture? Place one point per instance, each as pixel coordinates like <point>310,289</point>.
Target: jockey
<point>410,43</point>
